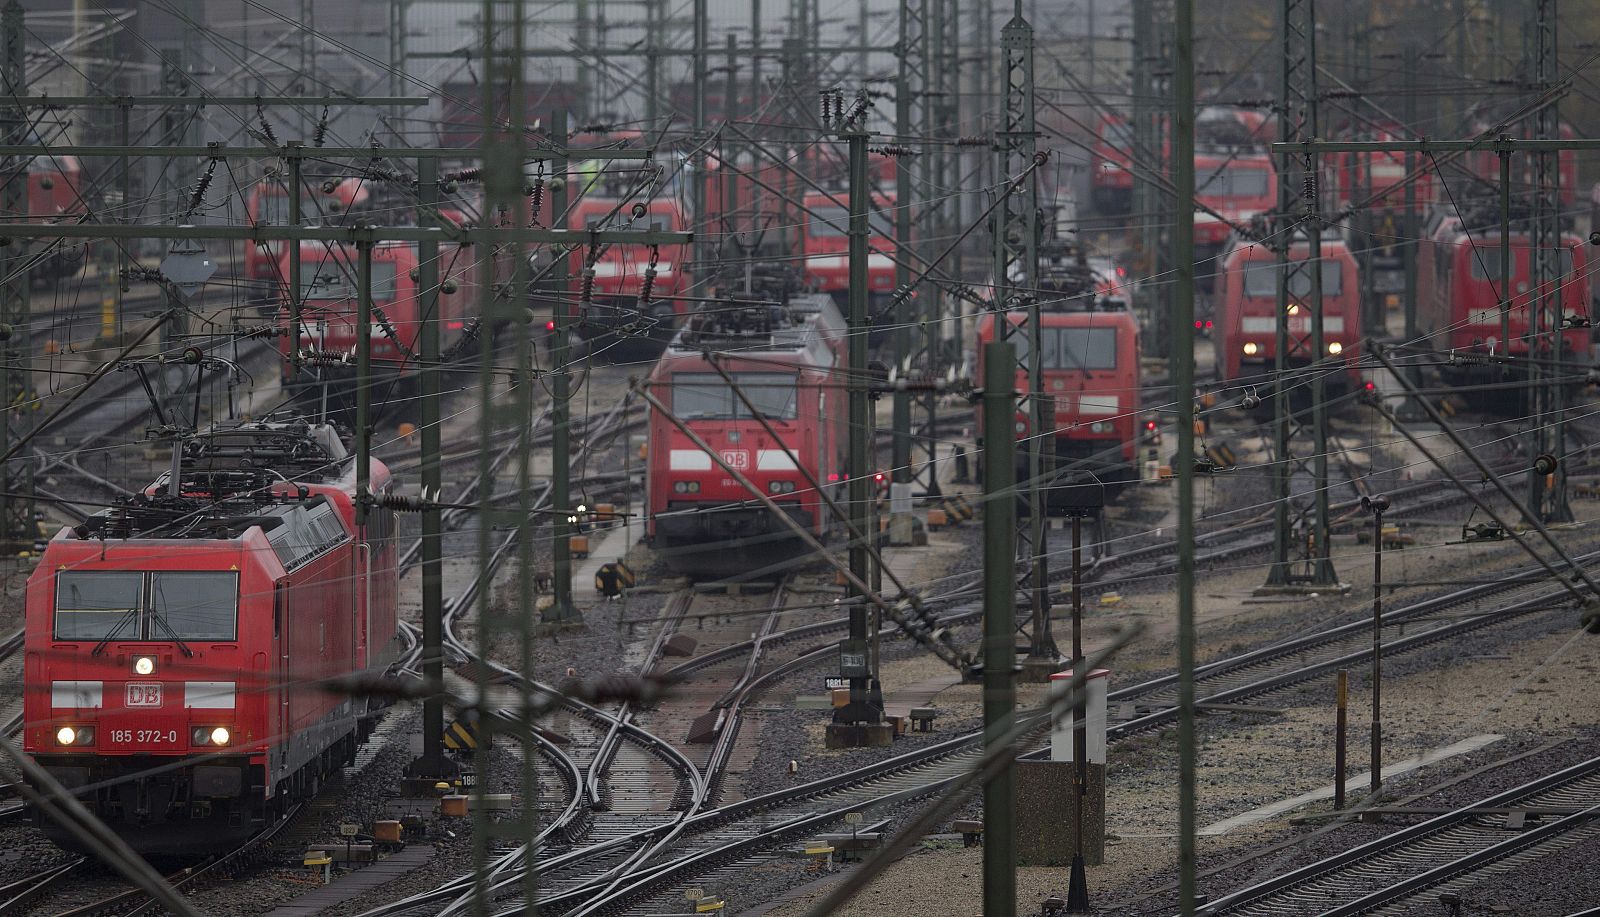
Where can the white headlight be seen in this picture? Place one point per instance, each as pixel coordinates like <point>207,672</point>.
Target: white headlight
<point>144,665</point>
<point>1250,348</point>
<point>66,735</point>
<point>1335,348</point>
<point>219,736</point>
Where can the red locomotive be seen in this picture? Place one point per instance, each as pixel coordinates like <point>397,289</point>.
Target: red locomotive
<point>54,193</point>
<point>1110,166</point>
<point>787,361</point>
<point>175,644</point>
<point>327,342</point>
<point>1245,332</point>
<point>1090,359</point>
<point>1238,185</point>
<point>827,247</point>
<point>614,322</point>
<point>267,204</point>
<point>1458,276</point>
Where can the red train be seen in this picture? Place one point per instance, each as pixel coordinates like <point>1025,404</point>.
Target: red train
<point>615,324</point>
<point>1236,184</point>
<point>329,307</point>
<point>1245,330</point>
<point>267,204</point>
<point>55,189</point>
<point>1110,166</point>
<point>174,644</point>
<point>1091,366</point>
<point>787,360</point>
<point>827,247</point>
<point>1458,274</point>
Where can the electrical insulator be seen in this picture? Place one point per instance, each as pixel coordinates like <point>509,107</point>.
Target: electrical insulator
<point>266,127</point>
<point>320,134</point>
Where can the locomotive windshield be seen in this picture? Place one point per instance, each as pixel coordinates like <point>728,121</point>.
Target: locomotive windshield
<point>833,222</point>
<point>1235,181</point>
<point>147,606</point>
<point>1261,280</point>
<point>332,277</point>
<point>1070,348</point>
<point>707,396</point>
<point>1486,264</point>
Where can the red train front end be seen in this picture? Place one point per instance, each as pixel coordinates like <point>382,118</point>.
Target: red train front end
<point>785,360</point>
<point>1090,364</point>
<point>1245,332</point>
<point>330,307</point>
<point>175,645</point>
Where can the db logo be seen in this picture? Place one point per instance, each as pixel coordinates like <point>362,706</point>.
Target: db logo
<point>144,695</point>
<point>738,459</point>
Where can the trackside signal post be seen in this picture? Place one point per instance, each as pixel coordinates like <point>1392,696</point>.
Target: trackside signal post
<point>999,615</point>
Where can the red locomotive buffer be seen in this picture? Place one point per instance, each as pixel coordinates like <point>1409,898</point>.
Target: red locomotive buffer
<point>1245,332</point>
<point>787,361</point>
<point>1457,308</point>
<point>329,309</point>
<point>174,645</point>
<point>1091,368</point>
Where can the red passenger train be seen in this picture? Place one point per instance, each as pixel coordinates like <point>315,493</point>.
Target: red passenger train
<point>1090,362</point>
<point>1458,277</point>
<point>329,308</point>
<point>1245,331</point>
<point>788,362</point>
<point>54,193</point>
<point>175,644</point>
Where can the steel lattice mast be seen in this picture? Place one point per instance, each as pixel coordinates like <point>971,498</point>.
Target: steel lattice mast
<point>16,500</point>
<point>1301,557</point>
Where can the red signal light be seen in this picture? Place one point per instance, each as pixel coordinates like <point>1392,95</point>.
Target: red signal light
<point>550,326</point>
<point>1208,326</point>
<point>1370,386</point>
<point>1149,425</point>
<point>878,477</point>
<point>1199,325</point>
<point>1122,272</point>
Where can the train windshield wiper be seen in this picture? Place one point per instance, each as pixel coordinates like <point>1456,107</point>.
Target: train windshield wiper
<point>111,634</point>
<point>182,647</point>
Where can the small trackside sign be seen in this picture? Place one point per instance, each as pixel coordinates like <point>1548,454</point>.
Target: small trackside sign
<point>835,682</point>
<point>144,695</point>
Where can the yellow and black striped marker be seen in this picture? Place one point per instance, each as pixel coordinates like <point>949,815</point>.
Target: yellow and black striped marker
<point>461,734</point>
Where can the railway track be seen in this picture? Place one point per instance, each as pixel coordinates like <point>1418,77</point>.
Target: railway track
<point>743,834</point>
<point>1387,875</point>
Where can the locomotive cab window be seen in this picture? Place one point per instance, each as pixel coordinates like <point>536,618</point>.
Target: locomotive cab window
<point>92,606</point>
<point>1235,182</point>
<point>833,222</point>
<point>706,396</point>
<point>1261,280</point>
<point>200,605</point>
<point>1070,348</point>
<point>334,277</point>
<point>194,606</point>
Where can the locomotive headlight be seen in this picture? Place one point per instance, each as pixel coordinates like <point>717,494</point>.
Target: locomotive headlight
<point>144,665</point>
<point>1099,426</point>
<point>680,487</point>
<point>1335,348</point>
<point>75,735</point>
<point>780,487</point>
<point>216,735</point>
<point>1250,348</point>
